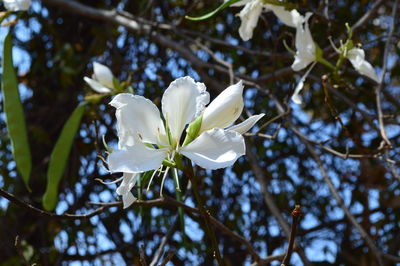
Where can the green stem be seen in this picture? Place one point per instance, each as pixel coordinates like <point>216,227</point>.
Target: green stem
<point>209,230</point>
<point>178,195</point>
<point>326,63</point>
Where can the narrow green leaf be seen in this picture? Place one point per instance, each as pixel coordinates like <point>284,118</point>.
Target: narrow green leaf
<point>14,113</point>
<point>212,13</point>
<point>59,157</point>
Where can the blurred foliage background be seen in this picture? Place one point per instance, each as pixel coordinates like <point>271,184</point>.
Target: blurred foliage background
<point>55,45</point>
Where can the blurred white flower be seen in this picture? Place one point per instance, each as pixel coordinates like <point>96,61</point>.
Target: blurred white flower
<point>306,48</point>
<point>252,10</point>
<point>17,5</point>
<point>249,17</point>
<point>102,79</point>
<point>357,59</point>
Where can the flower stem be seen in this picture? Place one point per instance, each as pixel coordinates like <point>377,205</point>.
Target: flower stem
<point>178,195</point>
<point>326,63</point>
<point>209,230</point>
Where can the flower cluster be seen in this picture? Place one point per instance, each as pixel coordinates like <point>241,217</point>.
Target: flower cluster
<point>147,138</point>
<point>307,51</point>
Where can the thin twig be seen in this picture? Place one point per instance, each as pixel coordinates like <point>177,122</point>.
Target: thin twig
<point>367,16</point>
<point>168,258</point>
<point>41,212</point>
<point>164,240</point>
<point>296,213</point>
<point>142,256</point>
<point>379,87</point>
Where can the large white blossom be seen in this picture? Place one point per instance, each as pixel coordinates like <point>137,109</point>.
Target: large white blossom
<point>102,80</point>
<point>357,59</point>
<point>252,10</point>
<point>17,5</point>
<point>146,140</point>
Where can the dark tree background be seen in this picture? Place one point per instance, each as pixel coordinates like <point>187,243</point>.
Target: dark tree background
<point>327,149</point>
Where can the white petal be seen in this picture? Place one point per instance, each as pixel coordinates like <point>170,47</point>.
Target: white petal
<point>128,182</point>
<point>296,97</point>
<point>136,159</point>
<point>128,199</point>
<point>103,75</point>
<point>17,5</point>
<point>249,17</point>
<point>240,3</point>
<point>246,124</point>
<point>357,59</point>
<point>125,136</point>
<point>225,109</point>
<point>182,102</point>
<point>139,116</point>
<point>290,18</point>
<point>216,148</point>
<point>96,86</point>
<point>305,46</point>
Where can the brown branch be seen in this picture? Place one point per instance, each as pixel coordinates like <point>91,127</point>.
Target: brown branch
<point>170,201</point>
<point>296,213</point>
<point>168,258</point>
<point>44,213</point>
<point>142,255</point>
<point>378,88</point>
<point>367,16</point>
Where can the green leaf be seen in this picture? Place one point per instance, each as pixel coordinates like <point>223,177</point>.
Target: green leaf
<point>212,13</point>
<point>59,157</point>
<point>14,113</point>
<point>193,130</point>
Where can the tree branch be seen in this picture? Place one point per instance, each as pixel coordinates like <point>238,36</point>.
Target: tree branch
<point>296,213</point>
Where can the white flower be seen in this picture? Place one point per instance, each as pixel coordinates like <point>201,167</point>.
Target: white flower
<point>145,140</point>
<point>306,49</point>
<point>17,5</point>
<point>249,17</point>
<point>357,59</point>
<point>102,79</point>
<point>252,10</point>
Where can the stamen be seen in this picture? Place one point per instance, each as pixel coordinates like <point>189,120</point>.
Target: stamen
<point>333,45</point>
<point>109,183</point>
<point>151,180</point>
<point>162,182</point>
<point>178,188</point>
